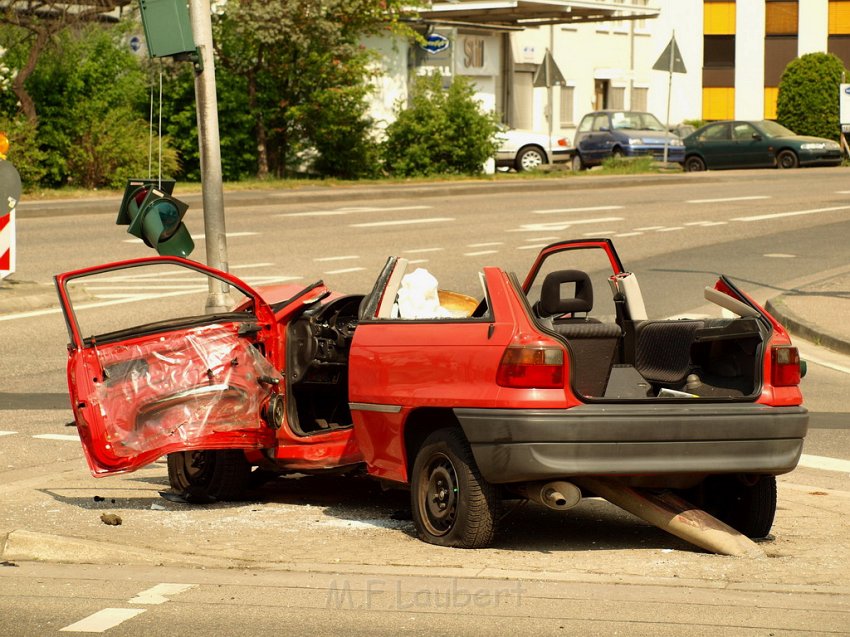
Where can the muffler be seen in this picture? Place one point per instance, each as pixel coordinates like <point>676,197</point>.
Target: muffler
<point>558,495</point>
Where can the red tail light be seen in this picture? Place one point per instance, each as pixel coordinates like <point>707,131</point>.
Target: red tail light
<point>531,366</point>
<point>785,366</point>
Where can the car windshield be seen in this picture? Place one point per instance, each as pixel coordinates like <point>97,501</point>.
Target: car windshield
<point>625,120</point>
<point>775,130</point>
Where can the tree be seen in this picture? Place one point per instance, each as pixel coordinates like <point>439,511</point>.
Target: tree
<point>440,131</point>
<point>808,95</point>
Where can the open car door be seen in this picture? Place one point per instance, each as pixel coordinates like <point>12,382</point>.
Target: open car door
<point>149,373</point>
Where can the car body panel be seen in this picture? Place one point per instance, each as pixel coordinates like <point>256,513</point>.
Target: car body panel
<point>601,134</point>
<point>756,144</point>
<point>556,149</point>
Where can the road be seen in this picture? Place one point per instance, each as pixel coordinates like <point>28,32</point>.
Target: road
<point>771,231</point>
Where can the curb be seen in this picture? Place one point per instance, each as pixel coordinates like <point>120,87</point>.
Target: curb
<point>805,329</point>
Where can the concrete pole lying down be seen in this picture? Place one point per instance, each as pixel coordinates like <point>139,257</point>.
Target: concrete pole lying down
<point>674,515</point>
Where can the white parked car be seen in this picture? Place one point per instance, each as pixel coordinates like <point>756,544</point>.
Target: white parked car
<point>526,150</point>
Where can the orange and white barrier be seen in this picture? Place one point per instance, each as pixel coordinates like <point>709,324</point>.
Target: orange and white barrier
<point>10,192</point>
<point>7,244</point>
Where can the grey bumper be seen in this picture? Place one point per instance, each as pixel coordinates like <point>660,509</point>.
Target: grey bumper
<point>515,445</point>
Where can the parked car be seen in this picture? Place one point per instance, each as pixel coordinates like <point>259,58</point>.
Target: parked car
<point>525,150</point>
<point>520,391</point>
<point>755,144</point>
<point>604,134</point>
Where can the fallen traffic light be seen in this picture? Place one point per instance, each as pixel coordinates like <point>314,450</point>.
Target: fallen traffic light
<point>153,215</point>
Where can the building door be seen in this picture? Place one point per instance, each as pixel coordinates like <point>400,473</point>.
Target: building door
<point>522,106</point>
<point>600,98</point>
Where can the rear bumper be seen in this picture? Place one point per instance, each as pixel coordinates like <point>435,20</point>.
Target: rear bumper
<point>522,445</point>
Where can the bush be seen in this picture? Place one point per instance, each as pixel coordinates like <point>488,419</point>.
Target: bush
<point>442,131</point>
<point>808,95</point>
<point>24,153</point>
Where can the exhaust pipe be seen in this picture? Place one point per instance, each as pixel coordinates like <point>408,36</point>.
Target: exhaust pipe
<point>558,495</point>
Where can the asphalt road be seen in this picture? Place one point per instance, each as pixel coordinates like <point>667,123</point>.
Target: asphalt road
<point>769,230</point>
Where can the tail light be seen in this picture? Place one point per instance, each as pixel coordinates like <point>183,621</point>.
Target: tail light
<point>563,142</point>
<point>785,366</point>
<point>531,366</point>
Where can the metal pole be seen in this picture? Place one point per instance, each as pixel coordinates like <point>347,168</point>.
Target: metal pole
<point>550,88</point>
<point>669,92</point>
<point>210,152</point>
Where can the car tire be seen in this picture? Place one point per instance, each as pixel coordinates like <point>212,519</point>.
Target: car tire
<point>209,476</point>
<point>787,159</point>
<point>529,158</point>
<point>617,153</point>
<point>577,164</point>
<point>694,164</point>
<point>747,503</point>
<point>452,504</point>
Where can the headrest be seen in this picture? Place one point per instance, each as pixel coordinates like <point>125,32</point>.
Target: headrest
<point>551,302</point>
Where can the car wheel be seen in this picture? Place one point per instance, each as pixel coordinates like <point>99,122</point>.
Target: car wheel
<point>206,476</point>
<point>452,504</point>
<point>577,163</point>
<point>617,153</point>
<point>787,159</point>
<point>694,164</point>
<point>747,503</point>
<point>530,158</point>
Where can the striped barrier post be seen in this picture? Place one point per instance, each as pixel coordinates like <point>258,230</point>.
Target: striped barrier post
<point>10,193</point>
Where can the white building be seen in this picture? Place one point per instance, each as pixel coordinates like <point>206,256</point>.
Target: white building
<point>605,50</point>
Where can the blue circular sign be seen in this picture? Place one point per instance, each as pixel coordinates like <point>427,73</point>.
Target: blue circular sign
<point>435,43</point>
<point>135,43</point>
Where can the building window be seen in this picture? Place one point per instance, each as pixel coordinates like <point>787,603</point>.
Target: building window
<point>839,17</point>
<point>719,51</point>
<point>567,95</point>
<point>718,18</point>
<point>639,102</point>
<point>617,98</point>
<point>780,18</point>
<point>778,52</point>
<point>718,102</point>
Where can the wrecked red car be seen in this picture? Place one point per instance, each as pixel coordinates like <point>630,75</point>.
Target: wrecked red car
<point>518,391</point>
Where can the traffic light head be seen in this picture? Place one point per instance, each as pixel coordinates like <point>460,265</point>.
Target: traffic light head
<point>156,217</point>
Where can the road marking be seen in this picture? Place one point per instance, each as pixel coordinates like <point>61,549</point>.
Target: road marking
<point>587,209</point>
<point>822,462</point>
<point>628,234</point>
<point>561,225</point>
<point>648,228</point>
<point>842,192</point>
<point>103,620</point>
<point>159,593</point>
<point>480,253</point>
<point>780,255</point>
<point>350,210</point>
<point>670,229</point>
<point>67,437</point>
<point>421,250</point>
<point>533,246</point>
<point>597,233</point>
<point>7,433</point>
<point>779,215</point>
<point>417,261</point>
<point>750,198</point>
<point>344,271</point>
<point>345,258</point>
<point>401,222</point>
<point>485,245</point>
<point>817,361</point>
<point>706,223</point>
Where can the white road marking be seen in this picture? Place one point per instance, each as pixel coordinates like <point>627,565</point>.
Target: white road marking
<point>670,229</point>
<point>417,261</point>
<point>485,245</point>
<point>779,215</point>
<point>648,228</point>
<point>823,363</point>
<point>421,250</point>
<point>400,222</point>
<point>561,225</point>
<point>598,233</point>
<point>628,234</point>
<point>780,255</point>
<point>66,437</point>
<point>587,209</point>
<point>350,210</point>
<point>842,192</point>
<point>103,620</point>
<point>534,246</point>
<point>344,258</point>
<point>750,198</point>
<point>7,433</point>
<point>344,271</point>
<point>480,253</point>
<point>159,593</point>
<point>822,462</point>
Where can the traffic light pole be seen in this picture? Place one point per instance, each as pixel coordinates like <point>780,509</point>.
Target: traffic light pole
<point>210,152</point>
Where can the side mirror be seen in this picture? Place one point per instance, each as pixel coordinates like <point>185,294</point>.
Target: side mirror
<point>604,129</point>
<point>757,137</point>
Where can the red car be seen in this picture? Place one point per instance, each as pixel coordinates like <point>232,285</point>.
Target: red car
<point>520,392</point>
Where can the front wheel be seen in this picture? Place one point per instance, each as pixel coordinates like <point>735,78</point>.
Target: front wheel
<point>577,163</point>
<point>529,158</point>
<point>694,164</point>
<point>787,159</point>
<point>452,504</point>
<point>208,476</point>
<point>745,502</point>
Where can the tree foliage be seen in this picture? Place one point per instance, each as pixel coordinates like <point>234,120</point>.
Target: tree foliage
<point>808,95</point>
<point>440,131</point>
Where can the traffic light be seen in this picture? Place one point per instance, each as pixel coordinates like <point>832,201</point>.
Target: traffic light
<point>153,215</point>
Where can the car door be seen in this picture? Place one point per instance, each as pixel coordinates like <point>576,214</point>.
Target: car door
<point>150,372</point>
<point>751,146</point>
<point>716,146</point>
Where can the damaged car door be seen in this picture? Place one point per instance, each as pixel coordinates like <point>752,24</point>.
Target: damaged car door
<point>150,373</point>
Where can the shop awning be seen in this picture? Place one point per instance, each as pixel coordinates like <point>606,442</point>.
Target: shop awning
<point>523,13</point>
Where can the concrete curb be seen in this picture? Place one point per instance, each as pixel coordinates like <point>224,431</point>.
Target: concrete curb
<point>805,329</point>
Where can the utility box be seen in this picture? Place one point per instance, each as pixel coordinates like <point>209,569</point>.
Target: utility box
<point>168,29</point>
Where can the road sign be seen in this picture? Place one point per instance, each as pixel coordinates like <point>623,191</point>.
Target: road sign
<point>671,59</point>
<point>548,74</point>
<point>844,104</point>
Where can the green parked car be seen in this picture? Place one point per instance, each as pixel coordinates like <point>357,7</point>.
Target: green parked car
<point>764,144</point>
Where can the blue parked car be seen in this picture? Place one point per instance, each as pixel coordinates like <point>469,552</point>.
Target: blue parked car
<point>604,134</point>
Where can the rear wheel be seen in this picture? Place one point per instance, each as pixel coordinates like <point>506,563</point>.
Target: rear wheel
<point>577,163</point>
<point>694,164</point>
<point>530,158</point>
<point>209,475</point>
<point>787,159</point>
<point>452,504</point>
<point>617,153</point>
<point>747,503</point>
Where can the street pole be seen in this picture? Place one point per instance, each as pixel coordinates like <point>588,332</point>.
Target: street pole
<point>210,152</point>
<point>669,94</point>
